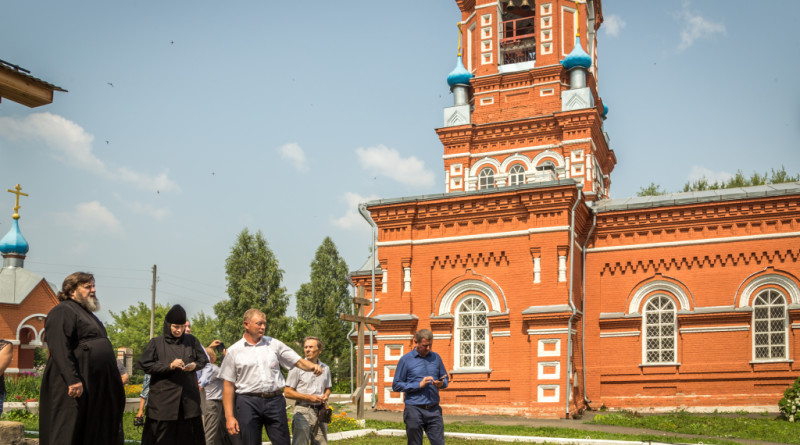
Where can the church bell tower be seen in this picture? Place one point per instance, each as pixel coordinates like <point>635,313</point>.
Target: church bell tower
<point>526,103</point>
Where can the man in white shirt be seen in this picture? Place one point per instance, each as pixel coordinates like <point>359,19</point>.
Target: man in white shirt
<point>252,374</point>
<point>311,393</point>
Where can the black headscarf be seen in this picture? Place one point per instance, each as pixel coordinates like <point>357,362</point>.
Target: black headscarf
<point>176,315</point>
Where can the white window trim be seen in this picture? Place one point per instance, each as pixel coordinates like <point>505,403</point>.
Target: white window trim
<point>540,393</point>
<point>554,376</point>
<point>555,353</point>
<point>457,344</point>
<point>785,329</point>
<point>387,352</point>
<point>674,331</point>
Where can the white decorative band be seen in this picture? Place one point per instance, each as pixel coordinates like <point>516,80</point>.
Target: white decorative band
<point>394,337</point>
<point>715,329</point>
<point>442,336</point>
<point>621,334</point>
<point>501,152</point>
<point>576,141</point>
<point>450,239</point>
<point>550,331</point>
<point>695,242</point>
<point>501,333</point>
<point>795,325</point>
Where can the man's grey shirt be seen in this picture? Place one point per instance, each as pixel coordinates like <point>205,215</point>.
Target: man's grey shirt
<point>305,382</point>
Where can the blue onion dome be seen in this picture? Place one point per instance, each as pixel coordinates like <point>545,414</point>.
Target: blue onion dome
<point>14,242</point>
<point>577,57</point>
<point>605,110</point>
<point>459,75</point>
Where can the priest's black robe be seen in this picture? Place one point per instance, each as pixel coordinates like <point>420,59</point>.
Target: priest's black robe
<point>79,352</point>
<point>173,405</point>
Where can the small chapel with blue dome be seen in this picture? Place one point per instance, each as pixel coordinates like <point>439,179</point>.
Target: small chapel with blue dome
<point>26,297</point>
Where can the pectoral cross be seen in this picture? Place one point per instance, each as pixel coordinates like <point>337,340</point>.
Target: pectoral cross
<point>17,192</point>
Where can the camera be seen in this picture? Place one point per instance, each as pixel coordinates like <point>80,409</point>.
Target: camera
<point>138,421</point>
<point>219,348</point>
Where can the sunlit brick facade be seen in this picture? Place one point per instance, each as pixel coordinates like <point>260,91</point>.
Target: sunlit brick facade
<point>544,295</point>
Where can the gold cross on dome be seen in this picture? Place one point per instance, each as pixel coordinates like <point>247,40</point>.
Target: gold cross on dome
<point>17,192</point>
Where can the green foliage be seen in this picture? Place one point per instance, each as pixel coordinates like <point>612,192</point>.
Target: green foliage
<point>319,303</point>
<point>790,403</point>
<point>23,387</point>
<point>651,190</point>
<point>19,415</point>
<point>254,281</point>
<point>131,328</point>
<point>740,180</point>
<point>206,329</point>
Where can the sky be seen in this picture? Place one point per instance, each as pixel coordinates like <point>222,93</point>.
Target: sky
<point>186,122</point>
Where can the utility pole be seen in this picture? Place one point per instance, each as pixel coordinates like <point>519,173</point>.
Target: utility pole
<point>153,303</point>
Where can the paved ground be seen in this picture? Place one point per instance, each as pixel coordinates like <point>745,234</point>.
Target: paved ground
<point>578,424</point>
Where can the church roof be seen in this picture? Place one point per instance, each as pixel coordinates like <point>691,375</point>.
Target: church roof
<point>366,268</point>
<point>13,242</point>
<point>17,283</point>
<point>577,57</point>
<point>459,75</point>
<point>644,202</point>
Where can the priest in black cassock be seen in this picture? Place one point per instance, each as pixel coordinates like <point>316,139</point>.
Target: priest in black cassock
<point>173,412</point>
<point>82,397</point>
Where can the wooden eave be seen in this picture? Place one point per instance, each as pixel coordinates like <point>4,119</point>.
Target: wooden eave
<point>24,89</point>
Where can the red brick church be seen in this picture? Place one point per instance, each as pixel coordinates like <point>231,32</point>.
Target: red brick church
<point>546,296</point>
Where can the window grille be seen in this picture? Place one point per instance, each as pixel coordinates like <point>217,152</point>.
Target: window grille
<point>472,330</point>
<point>516,175</point>
<point>659,328</point>
<point>486,179</point>
<point>769,326</point>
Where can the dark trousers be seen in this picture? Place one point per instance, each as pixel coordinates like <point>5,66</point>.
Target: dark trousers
<point>254,412</point>
<point>419,419</point>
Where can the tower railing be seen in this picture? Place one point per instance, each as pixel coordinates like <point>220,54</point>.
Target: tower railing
<point>518,42</point>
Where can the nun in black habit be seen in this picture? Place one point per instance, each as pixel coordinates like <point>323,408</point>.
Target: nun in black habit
<point>173,412</point>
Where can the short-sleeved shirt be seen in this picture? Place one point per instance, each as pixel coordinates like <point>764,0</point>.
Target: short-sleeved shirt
<point>257,368</point>
<point>211,382</point>
<point>305,382</point>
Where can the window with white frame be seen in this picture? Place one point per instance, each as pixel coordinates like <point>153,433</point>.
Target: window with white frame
<point>769,326</point>
<point>659,329</point>
<point>516,175</point>
<point>472,345</point>
<point>486,179</point>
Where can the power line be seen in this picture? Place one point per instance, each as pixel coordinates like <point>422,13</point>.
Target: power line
<point>187,288</point>
<point>88,266</point>
<point>190,280</point>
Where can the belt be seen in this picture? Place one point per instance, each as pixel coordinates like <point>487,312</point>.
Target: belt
<point>309,405</point>
<point>263,395</point>
<point>427,406</point>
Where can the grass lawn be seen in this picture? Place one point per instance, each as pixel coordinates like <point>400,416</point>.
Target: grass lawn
<point>723,427</point>
<point>738,425</point>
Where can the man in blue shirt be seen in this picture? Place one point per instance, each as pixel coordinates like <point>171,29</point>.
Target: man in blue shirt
<point>420,374</point>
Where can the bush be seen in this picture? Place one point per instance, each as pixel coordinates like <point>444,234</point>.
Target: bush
<point>790,403</point>
<point>340,422</point>
<point>341,387</point>
<point>24,387</point>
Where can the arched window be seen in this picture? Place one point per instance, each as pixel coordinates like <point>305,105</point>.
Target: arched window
<point>472,345</point>
<point>769,326</point>
<point>486,179</point>
<point>659,330</point>
<point>516,175</point>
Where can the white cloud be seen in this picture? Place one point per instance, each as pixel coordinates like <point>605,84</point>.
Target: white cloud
<point>352,219</point>
<point>91,217</point>
<point>695,27</point>
<point>613,24</point>
<point>712,176</point>
<point>386,161</point>
<point>69,143</point>
<point>293,152</point>
<point>157,213</point>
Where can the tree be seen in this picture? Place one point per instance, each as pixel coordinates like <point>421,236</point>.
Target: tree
<point>254,281</point>
<point>740,180</point>
<point>651,190</point>
<point>131,327</point>
<point>206,329</point>
<point>321,300</point>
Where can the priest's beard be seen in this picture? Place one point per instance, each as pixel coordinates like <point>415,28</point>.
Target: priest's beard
<point>89,303</point>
